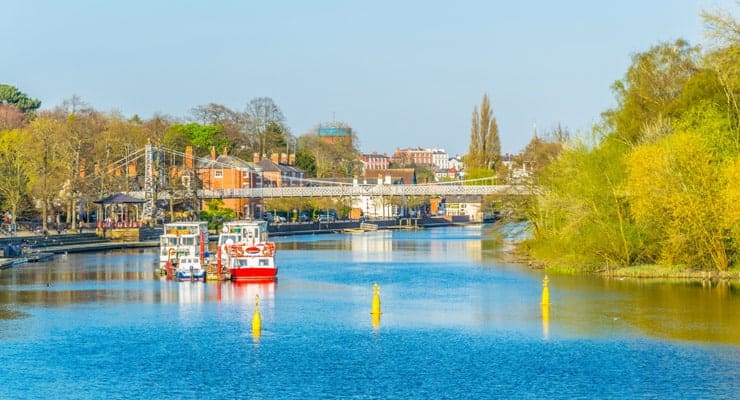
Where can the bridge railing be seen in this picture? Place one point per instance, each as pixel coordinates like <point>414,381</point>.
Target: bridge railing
<point>361,190</point>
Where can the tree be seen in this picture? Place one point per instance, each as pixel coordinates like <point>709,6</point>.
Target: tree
<point>581,217</point>
<point>266,126</point>
<point>654,80</point>
<point>329,159</point>
<point>14,97</point>
<point>233,123</point>
<point>202,137</point>
<point>11,117</point>
<point>485,145</point>
<point>542,151</point>
<point>14,173</point>
<point>676,192</point>
<point>724,60</point>
<point>45,161</point>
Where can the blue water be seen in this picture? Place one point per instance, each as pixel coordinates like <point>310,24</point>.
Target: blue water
<point>457,322</point>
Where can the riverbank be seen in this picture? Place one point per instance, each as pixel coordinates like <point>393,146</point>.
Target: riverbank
<point>517,254</point>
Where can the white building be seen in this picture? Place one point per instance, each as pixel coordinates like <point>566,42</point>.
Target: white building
<point>440,159</point>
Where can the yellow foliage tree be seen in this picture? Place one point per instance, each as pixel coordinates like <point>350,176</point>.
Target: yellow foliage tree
<point>676,192</point>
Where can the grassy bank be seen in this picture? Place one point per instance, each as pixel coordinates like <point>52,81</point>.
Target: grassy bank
<point>519,254</point>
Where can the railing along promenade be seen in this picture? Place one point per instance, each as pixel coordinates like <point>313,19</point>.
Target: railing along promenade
<point>358,190</point>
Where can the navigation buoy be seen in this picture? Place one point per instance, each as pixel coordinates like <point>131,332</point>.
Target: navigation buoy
<point>256,318</point>
<point>545,292</point>
<point>375,309</point>
<point>375,318</point>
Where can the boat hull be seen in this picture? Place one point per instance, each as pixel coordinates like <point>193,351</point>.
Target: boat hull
<point>253,274</point>
<point>187,276</point>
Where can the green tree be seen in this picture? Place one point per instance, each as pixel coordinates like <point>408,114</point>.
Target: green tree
<point>581,216</point>
<point>201,137</point>
<point>215,214</point>
<point>654,80</point>
<point>485,145</point>
<point>11,95</point>
<point>234,124</point>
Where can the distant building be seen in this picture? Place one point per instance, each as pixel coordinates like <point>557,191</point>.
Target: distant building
<point>456,163</point>
<point>518,171</point>
<point>393,176</point>
<point>374,161</point>
<point>335,134</point>
<point>440,159</point>
<point>464,205</point>
<point>278,171</point>
<point>417,156</point>
<point>379,206</point>
<point>224,172</point>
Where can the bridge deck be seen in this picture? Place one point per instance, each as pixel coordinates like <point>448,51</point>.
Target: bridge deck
<point>361,190</point>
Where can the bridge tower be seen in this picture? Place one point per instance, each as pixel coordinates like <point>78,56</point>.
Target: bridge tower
<point>147,213</point>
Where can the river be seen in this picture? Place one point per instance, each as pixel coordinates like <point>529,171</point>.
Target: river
<point>457,322</point>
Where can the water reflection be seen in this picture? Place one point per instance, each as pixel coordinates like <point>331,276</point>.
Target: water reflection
<point>677,310</point>
<point>372,246</point>
<point>432,279</point>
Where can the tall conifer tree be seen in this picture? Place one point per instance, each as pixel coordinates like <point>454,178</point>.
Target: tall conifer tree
<point>485,145</point>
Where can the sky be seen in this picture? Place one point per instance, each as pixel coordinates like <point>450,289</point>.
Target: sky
<point>401,73</point>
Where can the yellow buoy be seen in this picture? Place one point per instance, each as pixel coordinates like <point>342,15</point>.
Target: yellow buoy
<point>375,320</point>
<point>256,318</point>
<point>545,292</point>
<point>375,309</point>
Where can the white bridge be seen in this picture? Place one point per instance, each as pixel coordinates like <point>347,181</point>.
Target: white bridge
<point>368,190</point>
<point>353,191</point>
<point>154,188</point>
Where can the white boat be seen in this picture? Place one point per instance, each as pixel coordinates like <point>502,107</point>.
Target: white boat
<point>181,240</point>
<point>189,268</point>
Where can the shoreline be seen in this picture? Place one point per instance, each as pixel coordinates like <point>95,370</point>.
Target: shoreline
<point>653,272</point>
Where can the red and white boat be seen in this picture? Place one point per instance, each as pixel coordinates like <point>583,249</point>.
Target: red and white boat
<point>244,251</point>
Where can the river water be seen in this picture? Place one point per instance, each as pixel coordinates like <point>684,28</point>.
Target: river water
<point>457,322</point>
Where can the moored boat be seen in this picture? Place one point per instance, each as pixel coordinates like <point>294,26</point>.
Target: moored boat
<point>244,251</point>
<point>189,268</point>
<point>182,240</point>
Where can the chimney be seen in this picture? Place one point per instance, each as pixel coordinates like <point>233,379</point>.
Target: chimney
<point>213,153</point>
<point>283,158</point>
<point>291,159</point>
<point>275,158</point>
<point>132,168</point>
<point>226,151</point>
<point>189,157</point>
<point>82,169</point>
<point>256,157</point>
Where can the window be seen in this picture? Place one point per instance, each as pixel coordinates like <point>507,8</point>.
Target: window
<point>219,173</point>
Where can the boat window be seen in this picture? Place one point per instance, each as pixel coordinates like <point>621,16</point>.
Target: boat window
<point>187,240</point>
<point>264,262</point>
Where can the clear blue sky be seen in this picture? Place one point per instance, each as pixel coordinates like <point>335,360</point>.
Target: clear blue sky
<point>402,73</point>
